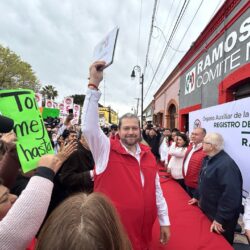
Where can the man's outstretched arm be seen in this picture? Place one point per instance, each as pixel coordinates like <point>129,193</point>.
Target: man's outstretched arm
<point>98,142</point>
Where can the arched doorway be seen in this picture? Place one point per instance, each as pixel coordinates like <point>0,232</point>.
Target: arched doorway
<point>172,115</point>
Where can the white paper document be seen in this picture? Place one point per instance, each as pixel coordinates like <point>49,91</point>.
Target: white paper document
<point>105,50</point>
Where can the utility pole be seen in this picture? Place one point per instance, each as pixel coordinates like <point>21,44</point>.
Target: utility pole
<point>137,105</point>
<point>109,109</point>
<point>141,81</point>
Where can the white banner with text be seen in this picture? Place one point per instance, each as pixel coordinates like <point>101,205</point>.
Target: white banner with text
<point>232,121</point>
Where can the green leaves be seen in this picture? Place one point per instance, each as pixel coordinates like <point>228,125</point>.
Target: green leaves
<point>15,73</point>
<point>49,92</point>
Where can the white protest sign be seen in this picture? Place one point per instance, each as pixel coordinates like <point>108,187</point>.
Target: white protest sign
<point>76,110</point>
<point>76,113</point>
<point>68,104</point>
<point>48,103</point>
<point>105,50</point>
<point>61,108</point>
<point>39,98</point>
<point>232,121</point>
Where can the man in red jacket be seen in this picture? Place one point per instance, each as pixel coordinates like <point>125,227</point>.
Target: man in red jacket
<point>125,170</point>
<point>193,160</point>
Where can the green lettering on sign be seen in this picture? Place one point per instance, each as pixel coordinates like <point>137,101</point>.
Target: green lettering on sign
<point>32,137</point>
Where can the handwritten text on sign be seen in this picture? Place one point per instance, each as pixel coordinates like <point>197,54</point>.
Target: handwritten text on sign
<point>33,140</point>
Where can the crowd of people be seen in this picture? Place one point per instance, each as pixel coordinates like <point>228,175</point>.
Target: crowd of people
<point>101,188</point>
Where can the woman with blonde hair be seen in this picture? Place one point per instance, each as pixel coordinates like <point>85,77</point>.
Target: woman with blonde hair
<point>84,222</point>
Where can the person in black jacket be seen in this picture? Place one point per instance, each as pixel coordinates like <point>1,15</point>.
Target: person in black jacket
<point>152,136</point>
<point>219,193</point>
<point>74,176</point>
<point>77,172</point>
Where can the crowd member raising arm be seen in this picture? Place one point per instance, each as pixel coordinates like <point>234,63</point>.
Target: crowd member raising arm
<point>125,170</point>
<point>20,219</point>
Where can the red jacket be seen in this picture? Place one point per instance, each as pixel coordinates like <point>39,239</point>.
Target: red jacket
<point>194,166</point>
<point>32,245</point>
<point>121,182</point>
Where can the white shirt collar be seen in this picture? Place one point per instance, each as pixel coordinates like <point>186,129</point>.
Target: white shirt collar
<point>138,149</point>
<point>198,146</point>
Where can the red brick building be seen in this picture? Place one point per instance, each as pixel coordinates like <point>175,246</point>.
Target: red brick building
<point>215,70</point>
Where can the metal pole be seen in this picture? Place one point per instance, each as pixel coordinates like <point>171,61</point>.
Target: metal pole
<point>142,80</point>
<point>109,108</point>
<point>137,106</point>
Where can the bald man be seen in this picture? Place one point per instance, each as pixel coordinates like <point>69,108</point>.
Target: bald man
<point>193,160</point>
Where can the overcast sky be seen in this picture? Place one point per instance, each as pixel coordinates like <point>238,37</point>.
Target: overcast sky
<point>57,37</point>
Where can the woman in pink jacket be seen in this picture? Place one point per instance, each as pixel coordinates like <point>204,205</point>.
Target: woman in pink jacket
<point>177,156</point>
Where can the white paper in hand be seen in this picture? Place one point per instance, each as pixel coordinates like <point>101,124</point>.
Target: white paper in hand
<point>105,50</point>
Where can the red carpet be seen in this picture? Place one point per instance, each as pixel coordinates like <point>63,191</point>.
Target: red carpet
<point>189,226</point>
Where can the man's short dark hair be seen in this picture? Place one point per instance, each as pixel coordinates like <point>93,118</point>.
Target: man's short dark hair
<point>130,116</point>
<point>65,134</point>
<point>114,126</point>
<point>166,129</point>
<point>175,130</point>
